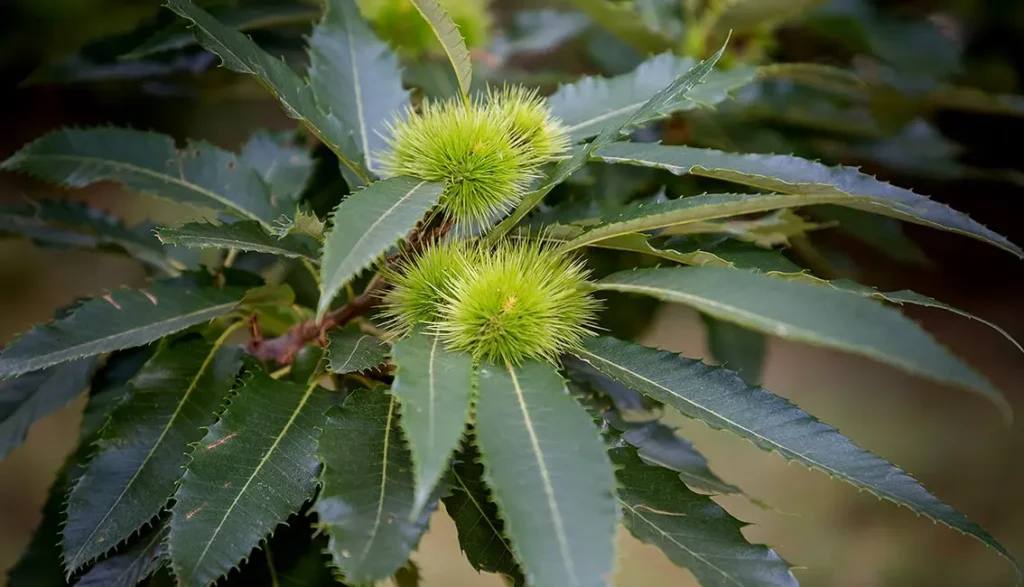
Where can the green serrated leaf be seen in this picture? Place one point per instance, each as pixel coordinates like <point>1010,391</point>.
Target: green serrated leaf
<point>118,320</point>
<point>242,236</point>
<point>656,106</point>
<point>624,410</point>
<point>367,490</point>
<point>915,299</point>
<point>549,474</point>
<point>451,40</point>
<point>39,565</point>
<point>242,18</point>
<point>302,223</point>
<point>693,210</point>
<point>284,166</point>
<point>351,351</point>
<point>311,569</point>
<point>692,530</point>
<point>74,224</point>
<point>132,565</point>
<point>32,396</point>
<point>481,531</point>
<point>723,401</point>
<point>253,468</point>
<point>793,175</point>
<point>737,348</point>
<point>434,387</point>
<point>356,77</point>
<point>622,20</point>
<point>240,54</point>
<point>637,243</point>
<point>142,448</point>
<point>366,225</point>
<point>592,103</point>
<point>199,174</point>
<point>804,312</point>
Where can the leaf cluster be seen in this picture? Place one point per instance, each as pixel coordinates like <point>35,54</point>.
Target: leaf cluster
<point>296,411</point>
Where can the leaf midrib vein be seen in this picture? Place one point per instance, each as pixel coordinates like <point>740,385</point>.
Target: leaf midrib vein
<point>672,539</point>
<point>193,383</point>
<point>156,175</point>
<point>781,448</point>
<point>259,467</point>
<point>549,492</point>
<point>71,351</point>
<point>383,483</point>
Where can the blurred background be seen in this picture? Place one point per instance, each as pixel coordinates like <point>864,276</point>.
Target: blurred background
<point>57,70</point>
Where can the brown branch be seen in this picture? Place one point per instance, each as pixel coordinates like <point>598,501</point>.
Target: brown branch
<point>282,349</point>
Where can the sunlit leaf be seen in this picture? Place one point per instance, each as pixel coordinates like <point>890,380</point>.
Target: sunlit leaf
<point>548,473</point>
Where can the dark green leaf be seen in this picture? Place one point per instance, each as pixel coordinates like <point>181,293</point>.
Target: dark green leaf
<point>242,236</point>
<point>132,565</point>
<point>623,20</point>
<point>253,468</point>
<point>481,531</point>
<point>142,448</point>
<point>74,224</point>
<point>242,18</point>
<point>199,174</point>
<point>737,348</point>
<point>34,395</point>
<point>723,401</point>
<point>284,166</point>
<point>549,475</point>
<point>915,299</point>
<point>792,175</point>
<point>312,569</point>
<point>240,54</point>
<point>692,530</point>
<point>366,225</point>
<point>351,350</point>
<point>120,319</point>
<point>638,243</point>
<point>592,103</point>
<point>627,411</point>
<point>685,211</point>
<point>808,313</point>
<point>39,565</point>
<point>451,40</point>
<point>356,77</point>
<point>658,105</point>
<point>434,387</point>
<point>366,498</point>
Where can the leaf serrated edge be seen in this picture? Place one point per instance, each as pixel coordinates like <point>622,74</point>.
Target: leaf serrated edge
<point>326,297</point>
<point>303,402</point>
<point>352,166</point>
<point>11,164</point>
<point>471,439</point>
<point>217,345</point>
<point>581,354</point>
